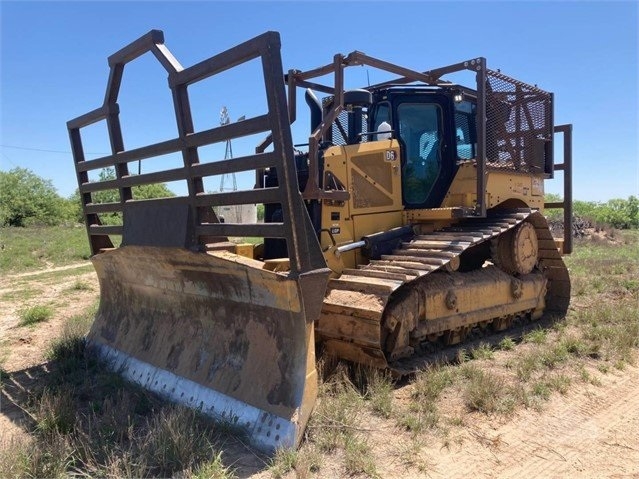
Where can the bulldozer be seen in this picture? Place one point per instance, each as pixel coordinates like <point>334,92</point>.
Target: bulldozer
<point>411,217</point>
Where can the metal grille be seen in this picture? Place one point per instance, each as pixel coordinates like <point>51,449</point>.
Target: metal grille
<point>518,125</point>
<point>339,129</point>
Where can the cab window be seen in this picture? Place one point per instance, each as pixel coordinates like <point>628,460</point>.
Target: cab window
<point>382,115</point>
<point>465,130</point>
<point>420,132</point>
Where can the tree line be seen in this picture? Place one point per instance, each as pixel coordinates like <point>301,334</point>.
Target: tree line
<point>26,199</point>
<point>617,213</point>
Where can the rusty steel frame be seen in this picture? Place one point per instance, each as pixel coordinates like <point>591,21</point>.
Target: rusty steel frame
<point>296,229</point>
<point>566,167</point>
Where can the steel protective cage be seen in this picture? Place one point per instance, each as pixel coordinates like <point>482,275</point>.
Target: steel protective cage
<point>522,123</point>
<point>305,254</point>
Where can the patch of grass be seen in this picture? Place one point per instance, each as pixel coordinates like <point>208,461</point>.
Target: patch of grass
<point>553,355</point>
<point>34,314</point>
<point>608,256</point>
<point>22,294</point>
<point>560,383</point>
<point>55,412</point>
<point>282,462</point>
<point>463,356</point>
<point>412,455</point>
<point>423,413</point>
<point>541,389</point>
<point>631,285</point>
<point>507,344</point>
<point>377,389</point>
<point>358,457</point>
<point>542,358</point>
<point>483,351</point>
<point>486,392</point>
<point>213,469</point>
<point>32,248</point>
<point>430,383</point>
<point>176,439</point>
<point>68,350</point>
<point>575,346</point>
<point>616,266</point>
<point>33,458</point>
<point>603,368</point>
<point>537,336</point>
<point>419,418</point>
<point>544,387</point>
<point>457,421</point>
<point>53,277</point>
<point>80,285</point>
<point>309,461</point>
<point>611,331</point>
<point>527,364</point>
<point>586,377</point>
<point>337,412</point>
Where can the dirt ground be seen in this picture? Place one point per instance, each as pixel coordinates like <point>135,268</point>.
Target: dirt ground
<point>25,346</point>
<point>590,432</point>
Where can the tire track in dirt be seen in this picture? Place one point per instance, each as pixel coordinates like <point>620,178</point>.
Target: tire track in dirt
<point>48,270</point>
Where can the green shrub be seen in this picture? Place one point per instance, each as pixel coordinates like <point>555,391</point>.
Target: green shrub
<point>616,213</point>
<point>35,314</point>
<point>28,200</point>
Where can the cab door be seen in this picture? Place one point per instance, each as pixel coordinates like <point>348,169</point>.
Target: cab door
<point>424,129</point>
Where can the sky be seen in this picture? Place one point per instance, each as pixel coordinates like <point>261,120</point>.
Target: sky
<point>53,68</point>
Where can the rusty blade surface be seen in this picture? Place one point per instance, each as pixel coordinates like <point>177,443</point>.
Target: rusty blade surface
<point>215,332</point>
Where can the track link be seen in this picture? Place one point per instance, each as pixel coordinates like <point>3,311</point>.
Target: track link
<point>366,308</point>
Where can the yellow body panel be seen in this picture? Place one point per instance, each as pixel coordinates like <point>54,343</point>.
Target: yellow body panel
<point>371,173</point>
<point>501,186</point>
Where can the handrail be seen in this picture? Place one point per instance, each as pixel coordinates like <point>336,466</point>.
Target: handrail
<point>566,203</point>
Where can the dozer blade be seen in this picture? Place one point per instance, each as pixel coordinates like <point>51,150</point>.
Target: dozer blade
<point>213,332</point>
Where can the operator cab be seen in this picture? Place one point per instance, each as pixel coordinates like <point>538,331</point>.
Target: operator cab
<point>435,128</point>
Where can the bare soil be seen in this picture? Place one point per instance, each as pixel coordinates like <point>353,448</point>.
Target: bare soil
<point>25,347</point>
<point>590,432</point>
